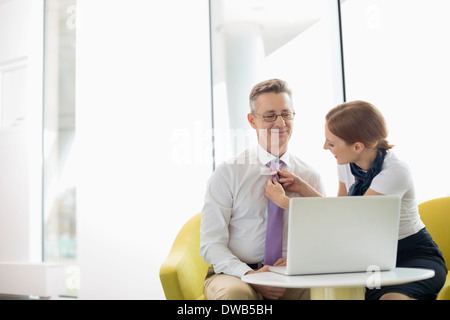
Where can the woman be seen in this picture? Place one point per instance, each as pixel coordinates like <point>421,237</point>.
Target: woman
<point>356,134</point>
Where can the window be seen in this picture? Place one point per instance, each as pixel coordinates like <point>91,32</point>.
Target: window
<point>59,173</point>
<point>297,41</point>
<point>397,57</point>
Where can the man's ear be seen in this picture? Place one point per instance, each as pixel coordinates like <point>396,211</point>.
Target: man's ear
<point>251,120</point>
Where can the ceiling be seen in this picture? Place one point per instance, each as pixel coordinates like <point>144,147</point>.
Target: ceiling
<point>280,21</point>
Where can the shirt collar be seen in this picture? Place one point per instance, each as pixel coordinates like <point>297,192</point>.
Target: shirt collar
<point>265,157</point>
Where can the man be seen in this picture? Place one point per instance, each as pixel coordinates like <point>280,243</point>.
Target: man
<point>235,213</point>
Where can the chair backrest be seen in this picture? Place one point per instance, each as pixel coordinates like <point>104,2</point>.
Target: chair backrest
<point>183,272</point>
<point>435,214</point>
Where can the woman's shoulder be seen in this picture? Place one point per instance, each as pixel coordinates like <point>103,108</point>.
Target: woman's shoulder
<point>395,170</point>
<point>393,164</point>
<point>394,178</point>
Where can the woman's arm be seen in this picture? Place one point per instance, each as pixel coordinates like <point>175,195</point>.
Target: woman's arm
<point>370,192</point>
<point>276,194</point>
<point>275,190</point>
<point>291,182</point>
<point>342,191</point>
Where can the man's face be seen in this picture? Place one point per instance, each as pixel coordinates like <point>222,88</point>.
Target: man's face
<point>272,136</point>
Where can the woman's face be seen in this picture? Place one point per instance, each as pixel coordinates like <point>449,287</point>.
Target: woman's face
<point>343,152</point>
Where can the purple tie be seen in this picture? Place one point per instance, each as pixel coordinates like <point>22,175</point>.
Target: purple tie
<point>274,233</point>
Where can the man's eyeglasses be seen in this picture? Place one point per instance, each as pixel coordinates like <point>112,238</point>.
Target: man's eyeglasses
<point>272,117</point>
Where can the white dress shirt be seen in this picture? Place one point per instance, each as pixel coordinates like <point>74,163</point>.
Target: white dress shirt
<point>234,216</point>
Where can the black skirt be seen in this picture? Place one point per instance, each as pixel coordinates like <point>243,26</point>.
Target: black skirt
<point>417,251</point>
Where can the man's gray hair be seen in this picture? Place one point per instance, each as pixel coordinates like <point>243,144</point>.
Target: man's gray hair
<point>268,86</point>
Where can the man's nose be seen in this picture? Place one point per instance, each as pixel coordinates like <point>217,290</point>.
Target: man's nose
<point>279,122</point>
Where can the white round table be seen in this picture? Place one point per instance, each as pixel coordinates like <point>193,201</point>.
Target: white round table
<point>340,286</point>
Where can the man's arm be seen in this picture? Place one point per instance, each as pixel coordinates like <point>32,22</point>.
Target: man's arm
<point>214,234</point>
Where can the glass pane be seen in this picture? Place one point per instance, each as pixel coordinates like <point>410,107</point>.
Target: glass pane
<point>397,57</point>
<point>59,188</point>
<point>294,40</point>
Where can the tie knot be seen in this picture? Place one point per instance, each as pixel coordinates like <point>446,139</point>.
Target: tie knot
<point>274,165</point>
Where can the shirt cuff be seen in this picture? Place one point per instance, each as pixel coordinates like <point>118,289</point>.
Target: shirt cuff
<point>241,270</point>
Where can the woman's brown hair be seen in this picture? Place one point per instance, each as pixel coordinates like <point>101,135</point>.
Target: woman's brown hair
<point>359,121</point>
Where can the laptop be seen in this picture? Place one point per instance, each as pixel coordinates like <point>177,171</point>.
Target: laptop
<point>341,235</point>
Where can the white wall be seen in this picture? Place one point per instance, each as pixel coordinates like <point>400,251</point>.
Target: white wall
<point>143,138</point>
<point>21,45</point>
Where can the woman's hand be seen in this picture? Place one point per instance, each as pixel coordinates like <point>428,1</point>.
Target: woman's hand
<point>293,183</point>
<point>275,192</point>
<point>290,181</point>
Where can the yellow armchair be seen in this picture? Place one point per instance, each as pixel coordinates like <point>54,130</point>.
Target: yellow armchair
<point>183,272</point>
<point>436,216</point>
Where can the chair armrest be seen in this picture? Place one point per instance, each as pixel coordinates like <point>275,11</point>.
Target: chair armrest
<point>444,294</point>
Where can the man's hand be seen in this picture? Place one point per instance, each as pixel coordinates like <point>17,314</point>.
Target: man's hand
<point>280,262</point>
<point>271,293</point>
